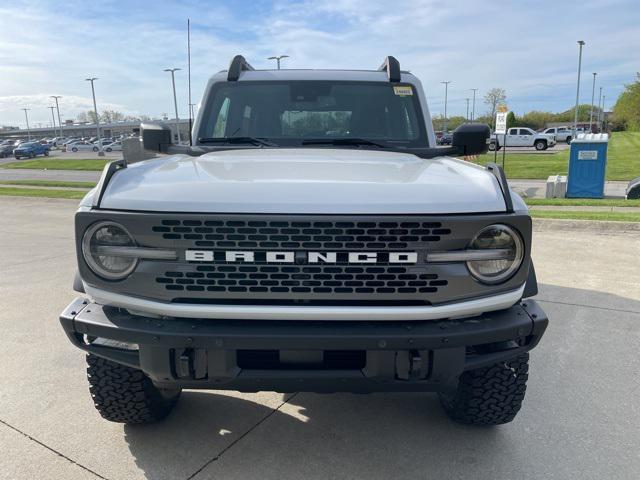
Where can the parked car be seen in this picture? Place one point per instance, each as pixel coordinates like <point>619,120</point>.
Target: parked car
<point>562,134</point>
<point>6,150</point>
<point>70,140</point>
<point>82,146</point>
<point>104,141</point>
<point>30,150</point>
<point>445,139</point>
<point>522,137</point>
<point>114,147</point>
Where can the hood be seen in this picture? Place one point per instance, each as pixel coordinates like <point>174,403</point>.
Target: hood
<point>311,181</point>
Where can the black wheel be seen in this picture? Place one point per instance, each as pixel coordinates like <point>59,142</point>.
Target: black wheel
<point>17,157</point>
<point>492,146</point>
<point>491,395</point>
<point>540,145</point>
<point>108,149</point>
<point>74,149</point>
<point>126,395</point>
<point>95,149</point>
<point>568,140</point>
<point>46,153</point>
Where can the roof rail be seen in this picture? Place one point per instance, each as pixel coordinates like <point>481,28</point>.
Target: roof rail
<point>238,65</point>
<point>392,67</point>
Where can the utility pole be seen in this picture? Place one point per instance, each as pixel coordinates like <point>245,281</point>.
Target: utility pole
<point>604,98</point>
<point>473,107</point>
<point>446,89</point>
<point>95,111</point>
<point>467,117</point>
<point>593,94</point>
<point>575,118</point>
<point>26,117</point>
<point>175,99</point>
<point>56,97</point>
<point>53,121</point>
<point>278,58</point>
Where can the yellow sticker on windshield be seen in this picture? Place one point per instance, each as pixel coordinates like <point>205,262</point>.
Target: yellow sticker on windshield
<point>402,90</point>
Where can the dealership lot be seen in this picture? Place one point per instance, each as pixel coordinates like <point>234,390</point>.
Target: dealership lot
<point>579,419</point>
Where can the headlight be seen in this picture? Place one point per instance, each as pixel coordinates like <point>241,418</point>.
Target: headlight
<point>98,251</point>
<point>498,238</point>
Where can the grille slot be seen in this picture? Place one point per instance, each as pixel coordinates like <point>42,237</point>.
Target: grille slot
<point>286,235</point>
<point>301,279</point>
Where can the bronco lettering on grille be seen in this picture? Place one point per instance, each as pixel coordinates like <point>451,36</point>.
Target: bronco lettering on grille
<point>299,257</point>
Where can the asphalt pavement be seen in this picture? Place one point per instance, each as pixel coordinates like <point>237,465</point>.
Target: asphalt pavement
<point>579,420</point>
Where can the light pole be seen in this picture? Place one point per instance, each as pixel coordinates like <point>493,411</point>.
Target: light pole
<point>575,118</point>
<point>56,97</point>
<point>604,98</point>
<point>26,117</point>
<point>593,94</point>
<point>446,89</point>
<point>278,58</point>
<point>473,107</point>
<point>175,99</point>
<point>95,111</point>
<point>467,117</point>
<point>600,111</point>
<point>53,120</point>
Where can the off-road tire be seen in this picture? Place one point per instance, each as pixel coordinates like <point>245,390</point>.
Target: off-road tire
<point>540,145</point>
<point>490,395</point>
<point>126,395</point>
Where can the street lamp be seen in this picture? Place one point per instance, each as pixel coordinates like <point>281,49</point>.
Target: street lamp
<point>26,117</point>
<point>56,97</point>
<point>53,120</point>
<point>604,98</point>
<point>446,88</point>
<point>467,117</point>
<point>473,107</point>
<point>575,118</point>
<point>600,111</point>
<point>175,99</point>
<point>95,111</point>
<point>593,94</point>
<point>278,58</point>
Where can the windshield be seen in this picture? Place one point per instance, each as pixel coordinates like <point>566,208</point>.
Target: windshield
<point>294,113</point>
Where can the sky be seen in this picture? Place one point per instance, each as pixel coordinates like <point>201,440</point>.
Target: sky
<point>529,48</point>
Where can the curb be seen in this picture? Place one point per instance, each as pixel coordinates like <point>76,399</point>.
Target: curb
<point>547,224</point>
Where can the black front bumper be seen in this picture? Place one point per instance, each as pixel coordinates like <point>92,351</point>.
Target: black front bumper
<point>292,356</point>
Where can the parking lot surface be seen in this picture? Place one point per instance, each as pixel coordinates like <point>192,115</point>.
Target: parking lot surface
<point>580,417</point>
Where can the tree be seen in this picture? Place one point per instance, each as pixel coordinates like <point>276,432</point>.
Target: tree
<point>109,116</point>
<point>88,116</point>
<point>626,111</point>
<point>452,122</point>
<point>511,120</point>
<point>494,98</point>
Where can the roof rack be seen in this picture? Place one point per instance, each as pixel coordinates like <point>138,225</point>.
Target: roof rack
<point>392,67</point>
<point>238,65</point>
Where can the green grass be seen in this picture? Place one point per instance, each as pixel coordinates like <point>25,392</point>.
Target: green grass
<point>48,183</point>
<point>623,160</point>
<point>603,216</point>
<point>41,192</point>
<point>582,202</point>
<point>59,164</point>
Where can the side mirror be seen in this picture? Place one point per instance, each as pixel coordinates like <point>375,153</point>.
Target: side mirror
<point>471,138</point>
<point>156,138</point>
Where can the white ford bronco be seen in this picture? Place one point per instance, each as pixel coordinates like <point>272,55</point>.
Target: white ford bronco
<point>313,238</point>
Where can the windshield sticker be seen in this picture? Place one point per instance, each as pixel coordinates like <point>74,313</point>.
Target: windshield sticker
<point>402,90</point>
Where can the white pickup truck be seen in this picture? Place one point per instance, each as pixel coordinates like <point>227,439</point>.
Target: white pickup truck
<point>562,134</point>
<point>522,137</point>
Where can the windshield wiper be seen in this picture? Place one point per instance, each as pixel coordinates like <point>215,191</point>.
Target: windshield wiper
<point>343,141</point>
<point>238,140</point>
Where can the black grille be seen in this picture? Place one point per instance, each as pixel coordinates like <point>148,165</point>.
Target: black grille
<point>276,235</point>
<point>301,279</point>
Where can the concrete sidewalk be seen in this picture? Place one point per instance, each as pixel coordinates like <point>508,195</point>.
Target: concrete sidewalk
<point>579,419</point>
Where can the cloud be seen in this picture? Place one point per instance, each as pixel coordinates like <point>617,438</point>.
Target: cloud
<point>528,48</point>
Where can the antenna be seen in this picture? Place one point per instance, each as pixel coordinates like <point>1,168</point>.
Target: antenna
<point>189,75</point>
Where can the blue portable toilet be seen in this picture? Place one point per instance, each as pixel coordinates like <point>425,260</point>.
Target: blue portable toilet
<point>587,165</point>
